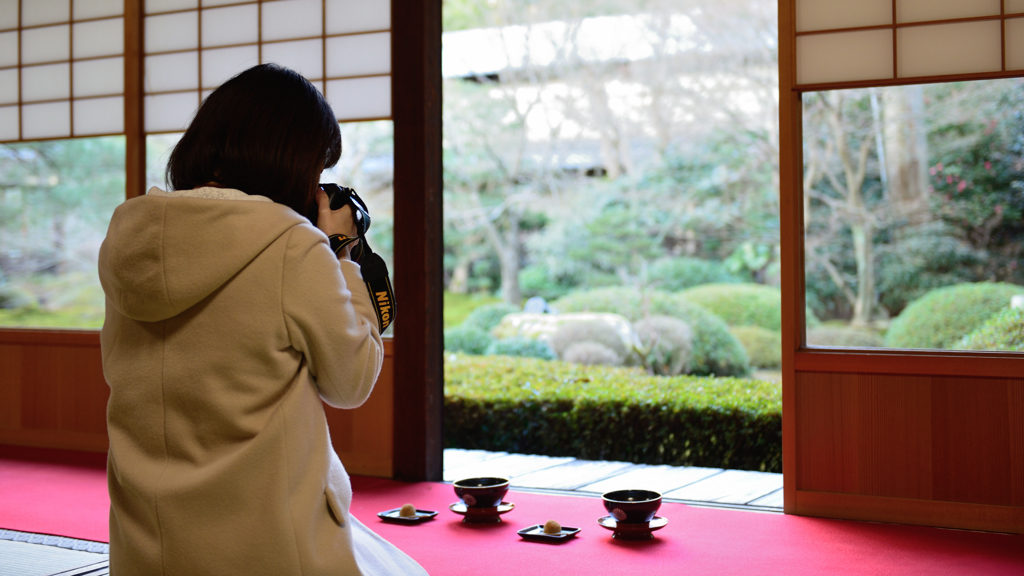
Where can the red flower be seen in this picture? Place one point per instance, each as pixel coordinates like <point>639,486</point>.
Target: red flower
<point>960,187</point>
<point>988,165</point>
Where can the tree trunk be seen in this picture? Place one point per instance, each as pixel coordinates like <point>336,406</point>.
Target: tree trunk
<point>459,284</point>
<point>863,252</point>
<point>906,152</point>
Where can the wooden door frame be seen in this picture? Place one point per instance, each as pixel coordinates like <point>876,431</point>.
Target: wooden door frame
<point>979,368</point>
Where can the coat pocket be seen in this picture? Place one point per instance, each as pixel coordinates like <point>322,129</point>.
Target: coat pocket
<point>335,507</point>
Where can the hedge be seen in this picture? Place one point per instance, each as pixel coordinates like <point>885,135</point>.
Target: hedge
<point>1004,331</point>
<point>940,318</point>
<point>746,304</point>
<point>601,413</point>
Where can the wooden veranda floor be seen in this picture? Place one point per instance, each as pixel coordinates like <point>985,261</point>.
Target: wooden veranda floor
<point>702,486</point>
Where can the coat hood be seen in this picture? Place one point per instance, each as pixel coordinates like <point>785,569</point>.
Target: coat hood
<point>166,251</point>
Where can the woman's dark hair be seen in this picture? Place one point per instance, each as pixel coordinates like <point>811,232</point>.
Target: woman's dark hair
<point>267,132</point>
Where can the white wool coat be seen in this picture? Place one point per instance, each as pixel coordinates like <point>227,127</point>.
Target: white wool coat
<point>228,319</point>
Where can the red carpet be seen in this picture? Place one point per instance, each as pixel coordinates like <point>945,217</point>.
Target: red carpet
<point>72,501</point>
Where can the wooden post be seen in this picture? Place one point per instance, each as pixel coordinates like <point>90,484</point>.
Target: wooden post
<point>134,112</point>
<point>416,110</point>
<point>791,240</point>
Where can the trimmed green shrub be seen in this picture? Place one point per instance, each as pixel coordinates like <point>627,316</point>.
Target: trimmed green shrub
<point>715,350</point>
<point>744,304</point>
<point>591,354</point>
<point>521,346</point>
<point>675,274</point>
<point>600,413</point>
<point>763,346</point>
<point>468,339</point>
<point>667,343</point>
<point>458,306</point>
<point>844,337</point>
<point>1004,331</point>
<point>488,316</point>
<point>940,318</point>
<point>595,331</point>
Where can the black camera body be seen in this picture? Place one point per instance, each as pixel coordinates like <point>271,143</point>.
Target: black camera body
<point>340,196</point>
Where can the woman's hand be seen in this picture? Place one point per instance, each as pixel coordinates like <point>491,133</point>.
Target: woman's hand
<point>340,221</point>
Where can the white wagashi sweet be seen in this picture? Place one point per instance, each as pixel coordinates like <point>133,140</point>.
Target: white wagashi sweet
<point>552,527</point>
<point>407,511</point>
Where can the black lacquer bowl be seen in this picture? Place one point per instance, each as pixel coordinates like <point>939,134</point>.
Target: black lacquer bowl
<point>632,506</point>
<point>481,492</point>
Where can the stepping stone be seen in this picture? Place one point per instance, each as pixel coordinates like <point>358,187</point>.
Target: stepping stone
<point>457,457</point>
<point>508,466</point>
<point>658,478</point>
<point>730,487</point>
<point>572,475</point>
<point>773,500</point>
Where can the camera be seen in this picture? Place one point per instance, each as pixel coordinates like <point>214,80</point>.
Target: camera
<point>374,270</point>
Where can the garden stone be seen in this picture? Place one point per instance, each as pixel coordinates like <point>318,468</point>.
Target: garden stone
<point>542,326</point>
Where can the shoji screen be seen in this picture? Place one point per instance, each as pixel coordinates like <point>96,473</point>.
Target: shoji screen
<point>61,68</point>
<point>192,46</point>
<point>879,40</point>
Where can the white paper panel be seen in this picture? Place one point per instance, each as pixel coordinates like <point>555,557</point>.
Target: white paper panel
<point>288,19</point>
<point>168,5</point>
<point>170,112</point>
<point>208,3</point>
<point>46,120</point>
<point>949,49</point>
<point>35,12</point>
<point>9,123</point>
<point>844,56</point>
<point>45,82</point>
<point>233,25</point>
<point>304,56</point>
<point>99,77</point>
<point>925,10</point>
<point>359,54</point>
<point>45,44</point>
<point>97,8</point>
<point>172,72</point>
<point>9,86</point>
<point>221,64</point>
<point>8,49</point>
<point>206,94</point>
<point>8,14</point>
<point>99,38</point>
<point>172,32</point>
<point>832,14</point>
<point>1014,6</point>
<point>345,16</point>
<point>360,97</point>
<point>1015,44</point>
<point>99,116</point>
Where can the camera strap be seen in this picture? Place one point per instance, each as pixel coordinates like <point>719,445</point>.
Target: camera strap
<point>375,274</point>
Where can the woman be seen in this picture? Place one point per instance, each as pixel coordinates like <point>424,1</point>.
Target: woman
<point>228,319</point>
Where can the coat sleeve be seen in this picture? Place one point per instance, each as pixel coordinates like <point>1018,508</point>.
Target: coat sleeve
<point>330,319</point>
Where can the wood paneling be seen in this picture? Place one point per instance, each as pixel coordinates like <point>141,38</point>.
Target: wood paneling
<point>53,397</point>
<point>1015,408</point>
<point>909,511</point>
<point>971,441</point>
<point>919,438</point>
